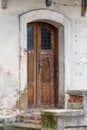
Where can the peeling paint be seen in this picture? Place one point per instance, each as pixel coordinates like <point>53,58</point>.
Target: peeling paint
<point>8,93</point>
<point>13,55</point>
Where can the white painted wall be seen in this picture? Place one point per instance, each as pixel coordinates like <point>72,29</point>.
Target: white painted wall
<point>10,42</point>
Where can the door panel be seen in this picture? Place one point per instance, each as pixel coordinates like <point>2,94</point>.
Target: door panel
<point>42,67</point>
<point>46,63</point>
<point>31,77</point>
<point>46,78</point>
<point>31,94</point>
<point>31,64</point>
<point>45,68</point>
<point>31,67</point>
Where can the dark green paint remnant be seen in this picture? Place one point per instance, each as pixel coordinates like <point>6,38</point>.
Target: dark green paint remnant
<point>49,122</point>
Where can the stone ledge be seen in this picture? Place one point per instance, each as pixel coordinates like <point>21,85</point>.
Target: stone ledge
<point>26,125</point>
<point>63,112</point>
<point>72,105</point>
<point>77,92</point>
<point>61,119</point>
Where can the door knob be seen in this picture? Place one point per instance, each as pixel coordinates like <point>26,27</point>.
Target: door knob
<point>40,65</point>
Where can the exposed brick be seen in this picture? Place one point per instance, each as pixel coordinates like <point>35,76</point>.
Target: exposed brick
<point>75,99</point>
<point>31,118</point>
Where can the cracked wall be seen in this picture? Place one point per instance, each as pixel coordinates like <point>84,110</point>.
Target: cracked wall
<point>10,53</point>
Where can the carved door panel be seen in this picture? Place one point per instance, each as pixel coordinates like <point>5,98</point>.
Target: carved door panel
<point>42,65</point>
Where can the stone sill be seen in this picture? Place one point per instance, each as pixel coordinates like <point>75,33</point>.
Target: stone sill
<point>26,125</point>
<point>77,92</point>
<point>75,106</point>
<point>63,112</point>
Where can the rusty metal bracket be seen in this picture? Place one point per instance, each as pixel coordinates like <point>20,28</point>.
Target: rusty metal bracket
<point>48,2</point>
<point>84,7</point>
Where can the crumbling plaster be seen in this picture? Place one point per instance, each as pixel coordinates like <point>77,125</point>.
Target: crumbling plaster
<point>10,58</point>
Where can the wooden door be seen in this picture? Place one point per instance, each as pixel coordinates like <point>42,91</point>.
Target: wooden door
<point>42,66</point>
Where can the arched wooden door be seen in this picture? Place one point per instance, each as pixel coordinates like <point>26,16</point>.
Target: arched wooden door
<point>42,65</point>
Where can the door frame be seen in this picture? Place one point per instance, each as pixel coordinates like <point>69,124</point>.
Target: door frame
<point>35,84</point>
<point>64,26</point>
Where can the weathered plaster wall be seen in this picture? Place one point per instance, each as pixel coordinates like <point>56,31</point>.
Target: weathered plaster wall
<point>10,46</point>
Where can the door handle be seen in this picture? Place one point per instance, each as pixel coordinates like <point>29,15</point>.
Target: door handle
<point>40,65</point>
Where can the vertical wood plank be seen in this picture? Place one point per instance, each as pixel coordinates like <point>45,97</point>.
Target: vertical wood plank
<point>31,71</point>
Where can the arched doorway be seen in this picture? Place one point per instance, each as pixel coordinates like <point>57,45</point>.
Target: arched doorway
<point>63,26</point>
<point>42,63</point>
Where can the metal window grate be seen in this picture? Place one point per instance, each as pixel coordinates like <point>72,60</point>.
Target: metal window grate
<point>45,39</point>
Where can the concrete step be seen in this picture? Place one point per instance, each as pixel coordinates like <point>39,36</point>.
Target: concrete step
<point>32,116</point>
<point>31,119</point>
<point>25,126</point>
<point>26,121</point>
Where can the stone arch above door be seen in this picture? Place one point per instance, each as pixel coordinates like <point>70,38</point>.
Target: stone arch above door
<point>64,26</point>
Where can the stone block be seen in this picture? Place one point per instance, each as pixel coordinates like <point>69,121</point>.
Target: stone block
<point>72,105</point>
<point>60,119</point>
<point>77,99</point>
